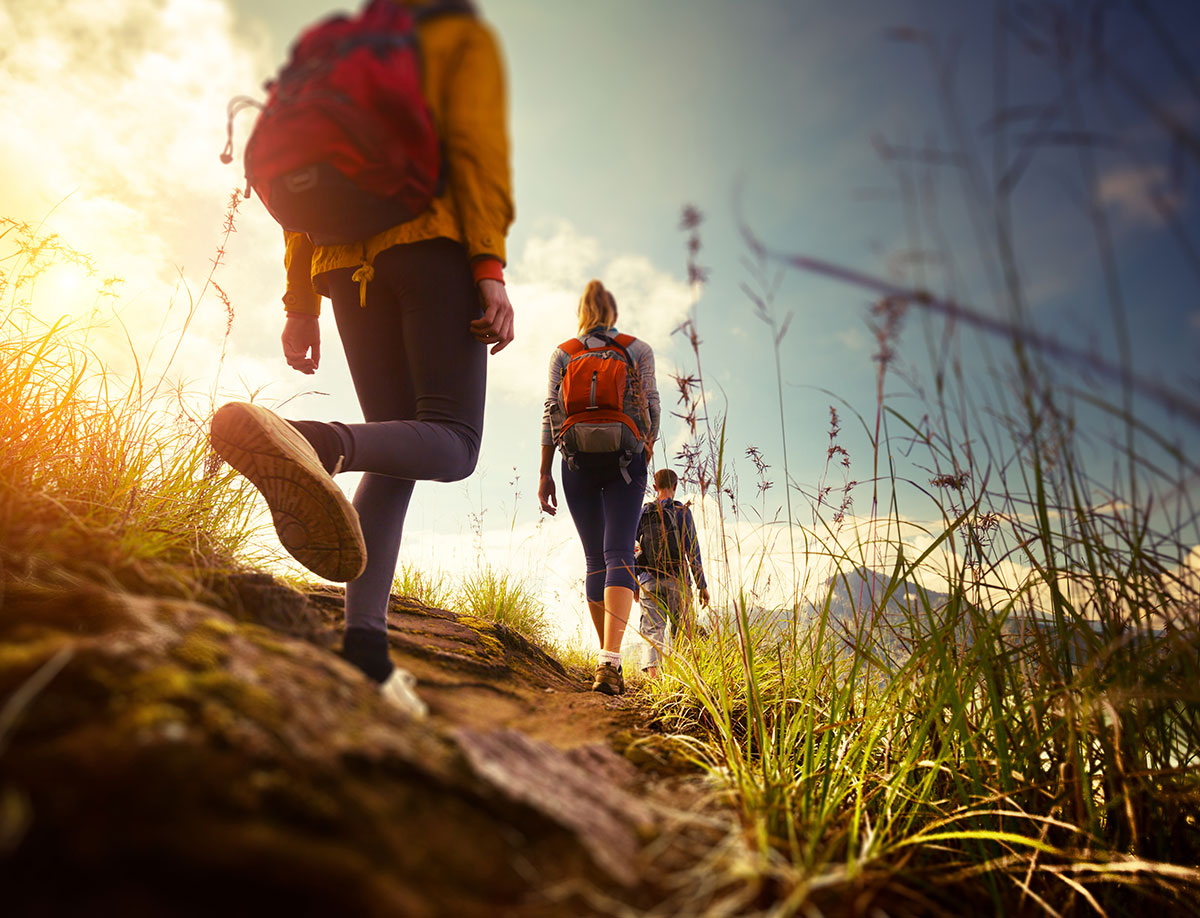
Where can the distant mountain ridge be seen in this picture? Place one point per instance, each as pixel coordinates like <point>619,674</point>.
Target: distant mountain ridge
<point>854,601</point>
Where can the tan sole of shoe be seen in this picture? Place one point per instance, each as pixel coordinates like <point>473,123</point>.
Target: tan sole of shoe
<point>314,520</point>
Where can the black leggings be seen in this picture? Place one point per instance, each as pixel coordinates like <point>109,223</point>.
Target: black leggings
<point>420,379</point>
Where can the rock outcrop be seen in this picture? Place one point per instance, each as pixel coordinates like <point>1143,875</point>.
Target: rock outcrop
<point>164,756</point>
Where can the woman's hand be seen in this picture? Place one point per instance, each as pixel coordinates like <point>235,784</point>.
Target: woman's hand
<point>496,324</point>
<point>302,342</point>
<point>547,494</point>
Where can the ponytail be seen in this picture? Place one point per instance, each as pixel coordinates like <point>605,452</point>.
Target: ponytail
<point>596,307</point>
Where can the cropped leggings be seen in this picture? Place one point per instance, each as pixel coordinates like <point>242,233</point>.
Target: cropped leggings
<point>420,379</point>
<point>606,509</point>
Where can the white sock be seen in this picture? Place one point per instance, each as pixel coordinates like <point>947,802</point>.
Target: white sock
<point>610,656</point>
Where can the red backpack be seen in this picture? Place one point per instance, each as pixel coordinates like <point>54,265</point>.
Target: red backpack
<point>598,399</point>
<point>345,146</point>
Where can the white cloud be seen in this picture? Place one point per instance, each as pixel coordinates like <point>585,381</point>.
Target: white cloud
<point>1132,192</point>
<point>112,120</point>
<point>545,282</point>
<point>853,338</point>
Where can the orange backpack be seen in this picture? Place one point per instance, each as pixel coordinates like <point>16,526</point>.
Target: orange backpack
<point>597,399</point>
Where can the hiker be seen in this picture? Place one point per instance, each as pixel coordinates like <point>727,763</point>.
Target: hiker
<point>416,306</point>
<point>602,412</point>
<point>667,548</point>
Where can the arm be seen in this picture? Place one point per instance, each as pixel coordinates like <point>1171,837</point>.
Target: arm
<point>297,262</point>
<point>301,338</point>
<point>691,550</point>
<point>475,138</point>
<point>547,495</point>
<point>649,395</point>
<point>474,132</point>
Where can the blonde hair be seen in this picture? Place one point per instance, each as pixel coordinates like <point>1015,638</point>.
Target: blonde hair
<point>596,307</point>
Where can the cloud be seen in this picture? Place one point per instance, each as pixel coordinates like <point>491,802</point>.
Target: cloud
<point>853,338</point>
<point>115,111</point>
<point>1137,193</point>
<point>545,282</point>
<point>113,118</point>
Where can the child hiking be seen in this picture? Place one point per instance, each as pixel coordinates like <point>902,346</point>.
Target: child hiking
<point>416,301</point>
<point>667,548</point>
<point>602,412</point>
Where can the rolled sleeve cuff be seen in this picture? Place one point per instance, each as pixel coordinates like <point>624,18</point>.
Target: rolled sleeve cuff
<point>303,301</point>
<point>487,267</point>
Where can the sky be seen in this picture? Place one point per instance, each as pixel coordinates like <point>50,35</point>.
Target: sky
<point>858,132</point>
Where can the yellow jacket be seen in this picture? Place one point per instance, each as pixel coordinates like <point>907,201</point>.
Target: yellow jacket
<point>464,85</point>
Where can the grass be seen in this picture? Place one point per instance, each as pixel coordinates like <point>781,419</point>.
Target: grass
<point>1005,719</point>
<point>431,588</point>
<point>500,596</point>
<point>112,478</point>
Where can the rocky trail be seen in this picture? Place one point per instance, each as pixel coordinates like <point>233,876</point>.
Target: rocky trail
<point>181,757</point>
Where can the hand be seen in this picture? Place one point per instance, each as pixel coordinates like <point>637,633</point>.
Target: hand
<point>547,494</point>
<point>703,594</point>
<point>302,337</point>
<point>496,325</point>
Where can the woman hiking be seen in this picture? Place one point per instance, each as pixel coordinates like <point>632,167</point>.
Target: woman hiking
<point>605,448</point>
<point>416,306</point>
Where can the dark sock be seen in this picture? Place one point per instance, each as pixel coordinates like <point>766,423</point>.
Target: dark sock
<point>326,440</point>
<point>368,650</point>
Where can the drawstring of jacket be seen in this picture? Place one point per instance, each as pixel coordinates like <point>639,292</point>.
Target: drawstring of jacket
<point>363,276</point>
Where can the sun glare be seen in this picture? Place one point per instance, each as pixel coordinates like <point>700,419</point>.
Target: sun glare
<point>67,289</point>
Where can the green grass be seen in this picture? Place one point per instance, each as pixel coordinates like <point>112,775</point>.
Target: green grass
<point>1022,737</point>
<point>433,588</point>
<point>501,596</point>
<point>101,475</point>
<point>1013,747</point>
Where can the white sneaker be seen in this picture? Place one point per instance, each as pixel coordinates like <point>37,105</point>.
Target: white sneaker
<point>398,689</point>
<point>314,520</point>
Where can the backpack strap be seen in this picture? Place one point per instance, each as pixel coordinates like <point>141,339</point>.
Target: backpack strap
<point>573,346</point>
<point>621,343</point>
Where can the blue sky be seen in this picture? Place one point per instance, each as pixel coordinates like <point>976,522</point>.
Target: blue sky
<point>621,113</point>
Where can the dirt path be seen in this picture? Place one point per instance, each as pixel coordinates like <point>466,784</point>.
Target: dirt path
<point>477,675</point>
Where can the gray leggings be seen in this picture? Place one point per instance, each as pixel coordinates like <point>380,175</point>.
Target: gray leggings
<point>420,379</point>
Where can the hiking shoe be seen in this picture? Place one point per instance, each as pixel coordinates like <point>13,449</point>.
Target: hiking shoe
<point>609,680</point>
<point>314,520</point>
<point>399,690</point>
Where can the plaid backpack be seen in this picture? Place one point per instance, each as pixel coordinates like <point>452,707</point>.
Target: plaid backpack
<point>345,146</point>
<point>598,400</point>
